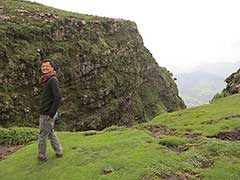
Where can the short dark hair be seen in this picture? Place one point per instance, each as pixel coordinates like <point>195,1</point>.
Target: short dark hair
<point>48,60</point>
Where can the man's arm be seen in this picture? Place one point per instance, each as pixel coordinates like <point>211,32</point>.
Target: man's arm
<point>56,96</point>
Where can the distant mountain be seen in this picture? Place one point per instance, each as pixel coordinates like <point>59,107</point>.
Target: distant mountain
<point>201,83</point>
<point>222,69</point>
<point>198,88</point>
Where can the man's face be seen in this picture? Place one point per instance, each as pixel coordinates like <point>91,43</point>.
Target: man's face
<point>46,67</point>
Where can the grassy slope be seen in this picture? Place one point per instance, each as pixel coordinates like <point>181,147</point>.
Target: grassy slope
<point>134,154</point>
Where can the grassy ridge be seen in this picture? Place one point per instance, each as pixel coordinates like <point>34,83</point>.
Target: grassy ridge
<point>178,146</point>
<point>206,120</point>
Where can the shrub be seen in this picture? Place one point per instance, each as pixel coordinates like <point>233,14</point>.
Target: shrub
<point>18,135</point>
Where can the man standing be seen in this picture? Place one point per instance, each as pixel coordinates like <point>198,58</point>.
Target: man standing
<point>49,104</point>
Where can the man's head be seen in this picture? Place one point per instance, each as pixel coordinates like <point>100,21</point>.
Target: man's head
<point>46,66</point>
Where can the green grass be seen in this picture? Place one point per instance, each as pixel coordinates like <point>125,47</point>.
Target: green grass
<point>197,119</point>
<point>172,141</point>
<point>225,168</point>
<point>134,154</point>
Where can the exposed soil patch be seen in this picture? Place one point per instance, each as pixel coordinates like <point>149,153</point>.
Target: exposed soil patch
<point>207,163</point>
<point>230,117</point>
<point>192,135</point>
<point>107,171</point>
<point>179,149</point>
<point>223,118</point>
<point>159,130</point>
<point>89,133</point>
<point>7,150</point>
<point>182,148</point>
<point>180,176</point>
<point>231,136</point>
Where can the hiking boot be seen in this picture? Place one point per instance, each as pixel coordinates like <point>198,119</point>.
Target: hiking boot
<point>42,158</point>
<point>59,155</point>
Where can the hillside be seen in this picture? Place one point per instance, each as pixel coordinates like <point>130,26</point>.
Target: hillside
<point>198,88</point>
<point>106,74</point>
<point>196,143</point>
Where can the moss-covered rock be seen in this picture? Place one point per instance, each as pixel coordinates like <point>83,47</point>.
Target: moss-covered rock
<point>107,76</point>
<point>233,86</point>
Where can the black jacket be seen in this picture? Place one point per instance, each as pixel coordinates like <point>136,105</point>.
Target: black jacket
<point>51,97</point>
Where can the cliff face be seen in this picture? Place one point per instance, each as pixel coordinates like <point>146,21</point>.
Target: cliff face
<point>106,74</point>
<point>233,86</point>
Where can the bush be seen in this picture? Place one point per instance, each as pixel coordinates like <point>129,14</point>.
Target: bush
<point>18,135</point>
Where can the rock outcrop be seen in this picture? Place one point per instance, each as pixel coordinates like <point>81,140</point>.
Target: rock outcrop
<point>106,74</point>
<point>233,86</point>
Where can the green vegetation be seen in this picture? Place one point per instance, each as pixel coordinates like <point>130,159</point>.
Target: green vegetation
<point>17,135</point>
<point>172,141</point>
<point>181,145</point>
<point>205,120</point>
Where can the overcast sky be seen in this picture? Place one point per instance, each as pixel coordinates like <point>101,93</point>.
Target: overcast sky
<point>179,33</point>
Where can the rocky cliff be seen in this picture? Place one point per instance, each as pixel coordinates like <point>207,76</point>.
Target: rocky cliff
<point>106,74</point>
<point>232,87</point>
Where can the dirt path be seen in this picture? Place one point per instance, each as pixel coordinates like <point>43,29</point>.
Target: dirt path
<point>7,150</point>
<point>233,135</point>
<point>159,130</point>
